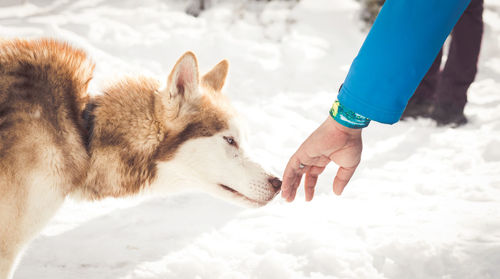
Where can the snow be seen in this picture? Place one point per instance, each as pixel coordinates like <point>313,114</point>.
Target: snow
<point>424,203</point>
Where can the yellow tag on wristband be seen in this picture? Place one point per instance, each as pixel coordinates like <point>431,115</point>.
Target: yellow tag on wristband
<point>347,117</point>
<point>335,108</point>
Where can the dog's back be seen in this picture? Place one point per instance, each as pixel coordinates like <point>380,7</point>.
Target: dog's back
<point>42,93</point>
<point>43,87</point>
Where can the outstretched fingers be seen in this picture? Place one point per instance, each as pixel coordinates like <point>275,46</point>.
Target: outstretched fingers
<point>300,164</point>
<point>329,142</point>
<point>310,181</point>
<point>291,179</point>
<point>342,178</point>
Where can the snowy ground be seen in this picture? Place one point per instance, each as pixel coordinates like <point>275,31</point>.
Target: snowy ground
<point>425,203</point>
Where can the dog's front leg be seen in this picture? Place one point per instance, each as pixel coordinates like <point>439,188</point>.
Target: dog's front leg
<point>8,257</point>
<point>25,208</point>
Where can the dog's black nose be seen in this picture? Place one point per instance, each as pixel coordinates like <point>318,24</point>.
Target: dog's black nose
<point>276,182</point>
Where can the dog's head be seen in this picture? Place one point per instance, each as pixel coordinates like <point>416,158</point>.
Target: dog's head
<point>205,146</point>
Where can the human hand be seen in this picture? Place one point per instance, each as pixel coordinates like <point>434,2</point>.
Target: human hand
<point>329,142</point>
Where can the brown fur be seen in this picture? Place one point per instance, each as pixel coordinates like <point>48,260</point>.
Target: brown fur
<point>132,133</point>
<point>55,140</point>
<point>133,128</point>
<point>43,89</point>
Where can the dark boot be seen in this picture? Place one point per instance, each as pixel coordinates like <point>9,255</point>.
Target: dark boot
<point>417,108</point>
<point>445,116</point>
<point>421,102</point>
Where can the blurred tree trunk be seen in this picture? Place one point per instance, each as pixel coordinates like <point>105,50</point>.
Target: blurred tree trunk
<point>370,10</point>
<point>197,6</point>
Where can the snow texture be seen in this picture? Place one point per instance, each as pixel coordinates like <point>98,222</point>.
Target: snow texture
<point>424,203</point>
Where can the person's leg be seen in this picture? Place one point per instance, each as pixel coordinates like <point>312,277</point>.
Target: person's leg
<point>423,98</point>
<point>461,67</point>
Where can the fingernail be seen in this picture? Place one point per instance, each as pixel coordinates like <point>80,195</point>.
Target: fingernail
<point>337,191</point>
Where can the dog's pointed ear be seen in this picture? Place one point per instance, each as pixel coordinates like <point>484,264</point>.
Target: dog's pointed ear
<point>182,83</point>
<point>184,78</point>
<point>216,78</point>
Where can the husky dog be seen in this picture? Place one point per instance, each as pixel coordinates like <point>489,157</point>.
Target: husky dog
<point>136,137</point>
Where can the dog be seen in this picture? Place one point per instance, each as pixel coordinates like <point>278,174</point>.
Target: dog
<point>136,137</point>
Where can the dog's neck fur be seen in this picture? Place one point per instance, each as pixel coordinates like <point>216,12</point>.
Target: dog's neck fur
<point>113,142</point>
<point>129,133</point>
<point>88,123</point>
<point>123,133</point>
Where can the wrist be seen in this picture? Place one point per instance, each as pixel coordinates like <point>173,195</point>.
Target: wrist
<point>347,117</point>
<point>336,127</point>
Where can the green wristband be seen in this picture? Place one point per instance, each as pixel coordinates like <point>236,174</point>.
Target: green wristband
<point>347,117</point>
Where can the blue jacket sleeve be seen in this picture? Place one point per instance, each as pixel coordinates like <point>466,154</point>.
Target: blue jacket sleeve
<point>399,49</point>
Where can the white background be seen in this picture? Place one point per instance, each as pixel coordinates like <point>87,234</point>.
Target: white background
<point>425,202</point>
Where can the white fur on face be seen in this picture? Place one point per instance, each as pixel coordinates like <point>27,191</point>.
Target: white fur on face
<point>219,168</point>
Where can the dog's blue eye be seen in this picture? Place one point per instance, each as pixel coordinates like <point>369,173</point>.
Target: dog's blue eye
<point>230,140</point>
